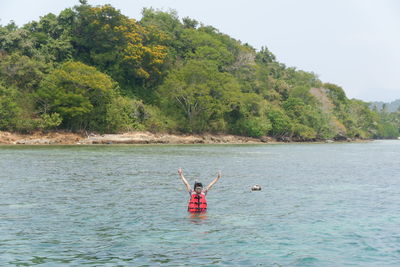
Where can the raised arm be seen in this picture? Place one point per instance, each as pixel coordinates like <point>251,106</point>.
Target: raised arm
<point>214,181</point>
<point>180,172</point>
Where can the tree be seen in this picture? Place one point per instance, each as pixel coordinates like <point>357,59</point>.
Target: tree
<point>22,72</point>
<point>282,125</point>
<point>51,36</point>
<point>264,56</point>
<point>14,39</point>
<point>119,46</point>
<point>202,94</point>
<point>190,23</point>
<point>170,28</point>
<point>9,110</point>
<point>303,93</point>
<point>206,44</point>
<point>79,93</point>
<point>125,114</point>
<point>308,120</point>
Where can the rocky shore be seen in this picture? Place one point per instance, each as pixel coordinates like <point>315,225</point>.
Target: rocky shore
<point>67,138</point>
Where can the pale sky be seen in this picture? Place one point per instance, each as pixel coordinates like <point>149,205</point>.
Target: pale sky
<point>352,43</point>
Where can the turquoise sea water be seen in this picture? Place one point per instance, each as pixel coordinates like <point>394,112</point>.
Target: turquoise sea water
<point>321,205</point>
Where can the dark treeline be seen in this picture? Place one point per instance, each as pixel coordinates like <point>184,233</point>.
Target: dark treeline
<point>93,69</point>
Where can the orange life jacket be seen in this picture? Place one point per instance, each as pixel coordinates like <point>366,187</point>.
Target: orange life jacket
<point>197,202</point>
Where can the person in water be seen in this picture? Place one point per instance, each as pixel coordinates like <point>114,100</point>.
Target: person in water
<point>197,202</point>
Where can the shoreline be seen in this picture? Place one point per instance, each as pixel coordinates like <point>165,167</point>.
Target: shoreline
<point>141,137</point>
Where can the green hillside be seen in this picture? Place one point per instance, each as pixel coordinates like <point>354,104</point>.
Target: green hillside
<point>91,68</point>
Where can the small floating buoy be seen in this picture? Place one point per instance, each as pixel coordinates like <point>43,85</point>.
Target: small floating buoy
<point>256,188</point>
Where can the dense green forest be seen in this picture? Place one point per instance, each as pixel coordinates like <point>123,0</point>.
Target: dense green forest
<point>91,68</point>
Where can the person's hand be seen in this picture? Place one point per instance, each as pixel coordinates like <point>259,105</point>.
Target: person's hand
<point>180,171</point>
<point>219,174</point>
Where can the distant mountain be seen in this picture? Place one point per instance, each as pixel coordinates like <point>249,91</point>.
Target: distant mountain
<point>390,107</point>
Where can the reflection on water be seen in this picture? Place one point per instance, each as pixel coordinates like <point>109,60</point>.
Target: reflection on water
<point>321,205</point>
<point>198,218</point>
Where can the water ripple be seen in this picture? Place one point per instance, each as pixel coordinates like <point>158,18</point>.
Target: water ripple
<point>321,205</point>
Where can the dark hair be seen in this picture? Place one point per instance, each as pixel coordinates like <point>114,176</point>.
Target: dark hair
<point>197,184</point>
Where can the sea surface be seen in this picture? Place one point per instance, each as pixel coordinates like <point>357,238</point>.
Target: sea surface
<point>124,205</point>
